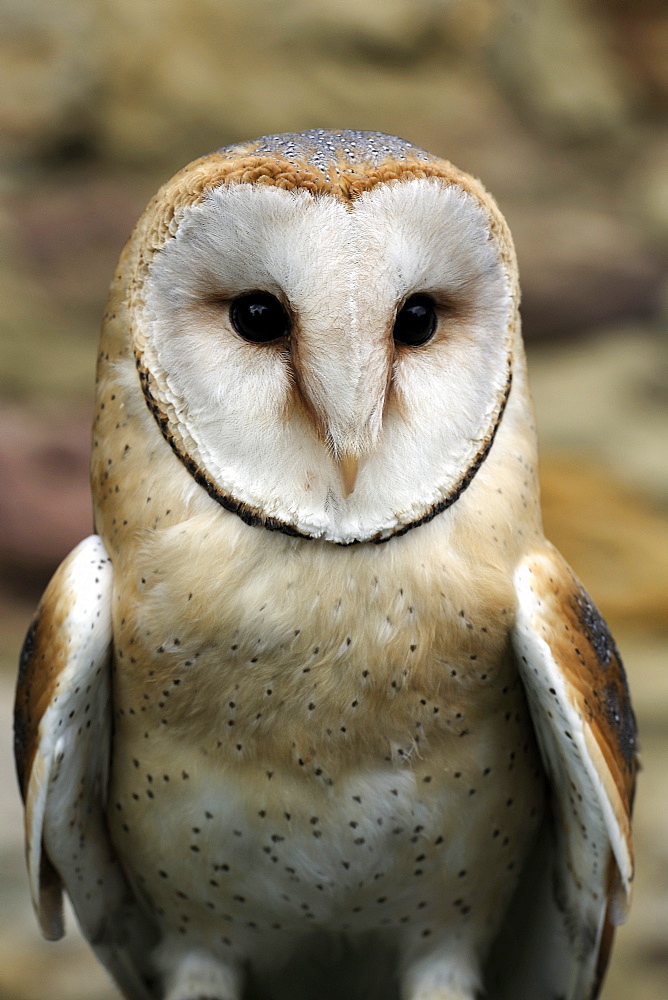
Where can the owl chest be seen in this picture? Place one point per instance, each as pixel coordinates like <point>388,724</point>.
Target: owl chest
<point>325,674</point>
<point>298,829</point>
<point>283,765</point>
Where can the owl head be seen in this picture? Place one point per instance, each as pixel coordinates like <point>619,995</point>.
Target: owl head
<point>324,329</point>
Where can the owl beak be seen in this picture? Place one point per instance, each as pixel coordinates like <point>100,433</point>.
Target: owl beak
<point>348,465</point>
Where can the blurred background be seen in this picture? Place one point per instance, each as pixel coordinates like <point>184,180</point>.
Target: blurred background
<point>560,106</point>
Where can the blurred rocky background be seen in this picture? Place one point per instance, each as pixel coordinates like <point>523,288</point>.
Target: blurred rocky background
<point>560,106</point>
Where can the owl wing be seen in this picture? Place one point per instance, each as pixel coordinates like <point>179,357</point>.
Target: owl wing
<point>580,884</point>
<point>62,736</point>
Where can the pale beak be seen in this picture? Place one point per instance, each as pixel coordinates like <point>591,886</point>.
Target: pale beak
<point>348,465</point>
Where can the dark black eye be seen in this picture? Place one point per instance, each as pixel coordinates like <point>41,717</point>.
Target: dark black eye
<point>259,317</point>
<point>416,321</point>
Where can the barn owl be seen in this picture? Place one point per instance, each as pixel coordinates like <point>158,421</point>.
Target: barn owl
<point>318,711</point>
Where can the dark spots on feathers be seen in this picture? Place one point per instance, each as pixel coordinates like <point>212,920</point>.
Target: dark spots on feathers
<point>24,724</point>
<point>620,715</point>
<point>595,629</point>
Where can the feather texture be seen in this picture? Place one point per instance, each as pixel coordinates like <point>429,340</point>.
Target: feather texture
<point>63,728</point>
<point>586,729</point>
<point>266,752</point>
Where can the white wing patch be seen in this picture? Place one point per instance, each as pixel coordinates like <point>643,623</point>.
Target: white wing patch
<point>69,768</point>
<point>63,730</point>
<point>567,683</point>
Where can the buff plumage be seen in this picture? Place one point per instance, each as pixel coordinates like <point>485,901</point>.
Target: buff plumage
<point>342,689</point>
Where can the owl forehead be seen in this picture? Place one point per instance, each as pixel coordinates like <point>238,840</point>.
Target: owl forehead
<point>404,234</point>
<point>336,153</point>
<point>345,165</point>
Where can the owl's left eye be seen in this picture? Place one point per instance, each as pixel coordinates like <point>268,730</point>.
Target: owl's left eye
<point>259,317</point>
<point>416,321</point>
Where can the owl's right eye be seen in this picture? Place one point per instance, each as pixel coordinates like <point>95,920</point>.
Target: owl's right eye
<point>259,317</point>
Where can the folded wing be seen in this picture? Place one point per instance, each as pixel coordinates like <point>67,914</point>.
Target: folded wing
<point>580,885</point>
<point>62,745</point>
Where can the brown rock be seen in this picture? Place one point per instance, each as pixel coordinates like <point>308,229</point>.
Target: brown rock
<point>552,61</point>
<point>638,32</point>
<point>615,540</point>
<point>582,268</point>
<point>45,505</point>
